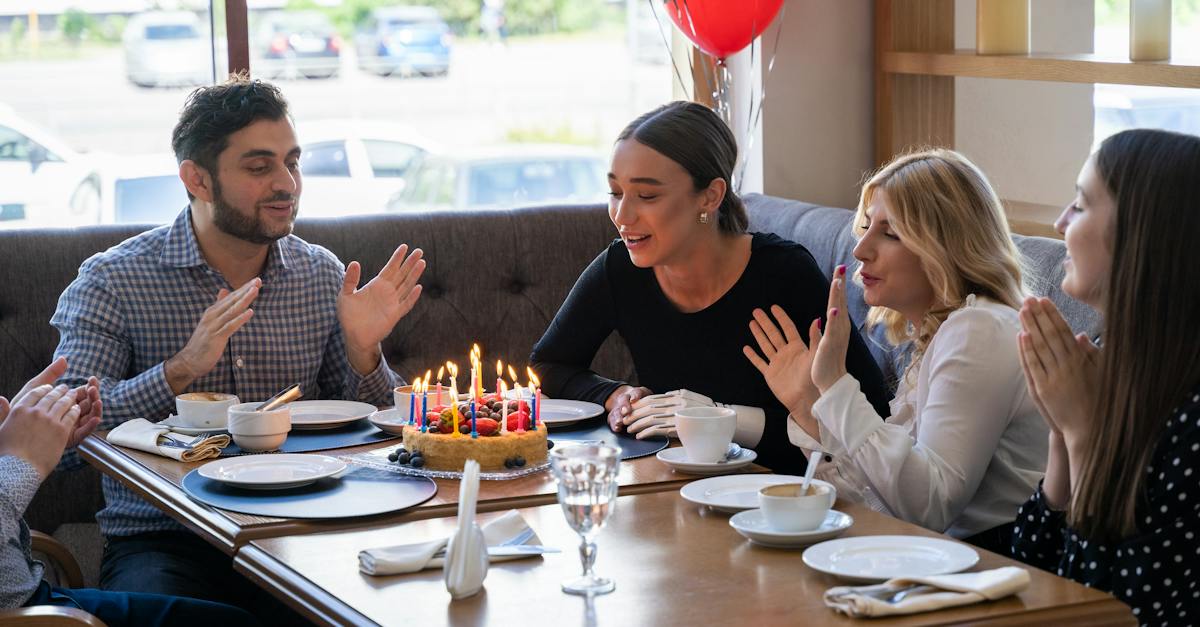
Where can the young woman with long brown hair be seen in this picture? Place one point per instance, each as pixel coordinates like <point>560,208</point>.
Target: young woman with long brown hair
<point>1119,507</point>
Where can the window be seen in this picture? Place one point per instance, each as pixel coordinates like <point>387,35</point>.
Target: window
<point>376,88</point>
<point>1121,107</point>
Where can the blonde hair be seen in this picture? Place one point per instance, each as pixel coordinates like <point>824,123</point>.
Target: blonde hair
<point>945,211</point>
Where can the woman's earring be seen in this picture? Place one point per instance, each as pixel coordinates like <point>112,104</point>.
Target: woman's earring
<point>704,217</point>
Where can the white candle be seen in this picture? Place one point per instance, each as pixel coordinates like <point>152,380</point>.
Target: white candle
<point>1149,30</point>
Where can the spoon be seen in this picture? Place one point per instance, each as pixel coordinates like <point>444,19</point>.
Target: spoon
<point>813,460</point>
<point>283,397</point>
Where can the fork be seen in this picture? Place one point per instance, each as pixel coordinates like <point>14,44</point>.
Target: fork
<point>520,538</point>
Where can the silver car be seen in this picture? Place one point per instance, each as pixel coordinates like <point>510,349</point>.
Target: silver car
<point>167,48</point>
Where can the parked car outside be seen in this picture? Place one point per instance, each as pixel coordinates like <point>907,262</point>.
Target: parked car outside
<point>43,181</point>
<point>405,41</point>
<point>143,189</point>
<point>296,43</point>
<point>167,48</point>
<point>505,176</point>
<point>352,167</point>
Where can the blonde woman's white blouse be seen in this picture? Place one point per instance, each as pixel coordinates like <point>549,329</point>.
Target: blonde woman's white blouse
<point>965,445</point>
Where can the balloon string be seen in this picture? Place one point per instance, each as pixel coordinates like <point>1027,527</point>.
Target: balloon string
<point>687,12</point>
<point>670,51</point>
<point>762,97</point>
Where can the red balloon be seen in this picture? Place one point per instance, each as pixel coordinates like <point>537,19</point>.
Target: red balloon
<point>722,27</point>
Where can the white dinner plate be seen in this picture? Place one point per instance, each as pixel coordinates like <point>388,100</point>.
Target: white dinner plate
<point>879,558</point>
<point>327,414</point>
<point>556,412</point>
<point>390,421</point>
<point>732,493</point>
<point>277,471</point>
<point>174,423</point>
<point>753,525</point>
<point>677,458</point>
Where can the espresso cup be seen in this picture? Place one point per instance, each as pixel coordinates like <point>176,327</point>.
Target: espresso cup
<point>786,509</point>
<point>204,410</point>
<point>257,431</point>
<point>705,432</point>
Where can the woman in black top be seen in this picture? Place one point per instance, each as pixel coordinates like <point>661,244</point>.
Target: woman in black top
<point>1119,508</point>
<point>680,284</point>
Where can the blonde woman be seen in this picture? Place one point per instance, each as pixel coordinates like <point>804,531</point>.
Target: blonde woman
<point>965,443</point>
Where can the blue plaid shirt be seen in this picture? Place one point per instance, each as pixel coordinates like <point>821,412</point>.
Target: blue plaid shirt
<point>135,305</point>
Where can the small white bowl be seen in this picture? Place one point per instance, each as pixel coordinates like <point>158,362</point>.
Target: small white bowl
<point>259,443</point>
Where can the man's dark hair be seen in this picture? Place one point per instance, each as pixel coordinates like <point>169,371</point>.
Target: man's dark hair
<point>212,113</point>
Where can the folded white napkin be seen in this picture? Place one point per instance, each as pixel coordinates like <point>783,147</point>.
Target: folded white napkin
<point>144,435</point>
<point>466,554</point>
<point>410,558</point>
<point>952,590</point>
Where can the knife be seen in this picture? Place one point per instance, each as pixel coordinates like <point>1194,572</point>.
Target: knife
<point>521,549</point>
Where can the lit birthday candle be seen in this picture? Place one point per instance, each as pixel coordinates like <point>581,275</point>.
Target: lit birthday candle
<point>534,390</point>
<point>441,374</point>
<point>424,402</point>
<point>501,388</point>
<point>454,397</point>
<point>474,433</point>
<point>412,400</point>
<point>499,380</point>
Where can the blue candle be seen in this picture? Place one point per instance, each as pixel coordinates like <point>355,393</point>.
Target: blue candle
<point>412,404</point>
<point>474,433</point>
<point>424,409</point>
<point>533,410</point>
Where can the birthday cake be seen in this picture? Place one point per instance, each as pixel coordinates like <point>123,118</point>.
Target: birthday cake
<point>495,446</point>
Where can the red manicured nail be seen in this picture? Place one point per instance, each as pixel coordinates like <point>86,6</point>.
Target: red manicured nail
<point>841,270</point>
<point>820,324</point>
<point>833,312</point>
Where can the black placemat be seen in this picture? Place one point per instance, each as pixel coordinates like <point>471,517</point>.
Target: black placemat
<point>630,446</point>
<point>361,492</point>
<point>309,440</point>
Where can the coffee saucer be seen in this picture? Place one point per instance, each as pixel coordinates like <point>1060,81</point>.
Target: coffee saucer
<point>677,458</point>
<point>177,426</point>
<point>753,525</point>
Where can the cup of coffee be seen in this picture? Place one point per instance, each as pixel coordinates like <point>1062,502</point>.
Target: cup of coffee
<point>204,410</point>
<point>258,431</point>
<point>705,432</point>
<point>402,394</point>
<point>785,508</point>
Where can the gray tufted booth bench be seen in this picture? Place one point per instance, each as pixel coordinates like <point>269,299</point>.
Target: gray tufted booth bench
<point>494,277</point>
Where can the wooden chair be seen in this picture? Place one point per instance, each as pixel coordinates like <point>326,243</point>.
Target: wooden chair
<point>61,565</point>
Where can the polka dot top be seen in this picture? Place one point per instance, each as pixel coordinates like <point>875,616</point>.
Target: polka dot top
<point>1157,570</point>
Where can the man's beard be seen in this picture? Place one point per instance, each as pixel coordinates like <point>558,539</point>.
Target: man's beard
<point>249,228</point>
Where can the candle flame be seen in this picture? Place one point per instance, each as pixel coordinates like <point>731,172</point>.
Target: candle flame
<point>533,379</point>
<point>512,374</point>
<point>499,369</point>
<point>441,372</point>
<point>452,368</point>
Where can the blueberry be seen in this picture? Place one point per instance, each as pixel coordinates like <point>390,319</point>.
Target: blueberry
<point>549,444</point>
<point>417,461</point>
<point>464,428</point>
<point>392,456</point>
<point>508,463</point>
<point>404,458</point>
<point>520,461</point>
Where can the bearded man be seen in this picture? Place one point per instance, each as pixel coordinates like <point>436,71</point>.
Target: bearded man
<point>225,299</point>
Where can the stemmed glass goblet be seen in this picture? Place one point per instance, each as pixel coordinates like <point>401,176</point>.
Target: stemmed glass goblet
<point>587,491</point>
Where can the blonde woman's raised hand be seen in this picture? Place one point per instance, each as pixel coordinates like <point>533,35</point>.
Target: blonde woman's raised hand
<point>1061,369</point>
<point>829,362</point>
<point>786,362</point>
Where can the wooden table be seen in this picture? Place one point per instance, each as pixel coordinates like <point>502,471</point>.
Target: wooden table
<point>674,563</point>
<point>157,479</point>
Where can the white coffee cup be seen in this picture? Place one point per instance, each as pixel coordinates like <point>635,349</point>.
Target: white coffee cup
<point>259,430</point>
<point>204,410</point>
<point>785,509</point>
<point>705,432</point>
